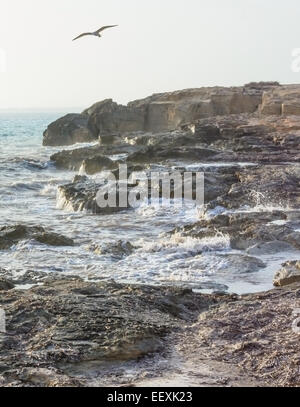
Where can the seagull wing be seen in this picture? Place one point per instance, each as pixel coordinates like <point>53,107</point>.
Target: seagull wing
<point>105,27</point>
<point>82,35</point>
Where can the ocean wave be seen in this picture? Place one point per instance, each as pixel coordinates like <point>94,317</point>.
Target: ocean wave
<point>31,185</point>
<point>27,163</point>
<point>49,190</point>
<point>189,246</point>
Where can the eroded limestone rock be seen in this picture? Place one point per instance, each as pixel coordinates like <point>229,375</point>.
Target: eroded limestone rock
<point>11,235</point>
<point>288,274</point>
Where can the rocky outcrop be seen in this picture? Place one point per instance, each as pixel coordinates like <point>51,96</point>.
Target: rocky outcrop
<point>74,159</point>
<point>233,138</point>
<point>97,164</point>
<point>11,235</point>
<point>67,333</point>
<point>251,138</point>
<point>263,186</point>
<point>265,144</point>
<point>283,100</point>
<point>81,195</point>
<point>59,330</point>
<point>68,130</point>
<point>108,117</point>
<point>170,111</point>
<point>167,111</point>
<point>250,230</point>
<point>289,274</point>
<point>5,285</point>
<point>256,333</point>
<point>117,250</point>
<point>159,112</point>
<point>156,154</point>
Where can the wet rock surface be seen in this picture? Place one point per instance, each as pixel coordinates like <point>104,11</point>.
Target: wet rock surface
<point>263,152</point>
<point>97,164</point>
<point>117,250</point>
<point>68,332</point>
<point>68,130</point>
<point>11,235</point>
<point>5,285</point>
<point>73,159</point>
<point>248,231</point>
<point>289,274</point>
<point>267,185</point>
<point>82,195</point>
<point>54,328</point>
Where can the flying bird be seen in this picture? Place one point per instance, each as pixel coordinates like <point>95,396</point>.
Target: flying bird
<point>95,33</point>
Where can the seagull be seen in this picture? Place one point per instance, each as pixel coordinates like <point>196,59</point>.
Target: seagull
<point>96,33</point>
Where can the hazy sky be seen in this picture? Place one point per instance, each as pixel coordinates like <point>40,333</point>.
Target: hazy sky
<point>160,45</point>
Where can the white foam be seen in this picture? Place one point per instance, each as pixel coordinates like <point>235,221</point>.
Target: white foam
<point>81,170</point>
<point>179,244</point>
<point>62,203</point>
<point>49,190</point>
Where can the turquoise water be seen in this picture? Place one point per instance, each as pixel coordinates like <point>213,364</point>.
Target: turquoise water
<point>24,166</point>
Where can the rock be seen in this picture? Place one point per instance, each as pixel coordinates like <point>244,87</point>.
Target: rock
<point>168,111</point>
<point>120,120</point>
<point>73,159</point>
<point>29,277</point>
<point>289,274</point>
<point>67,331</point>
<point>218,183</point>
<point>156,154</point>
<point>206,133</point>
<point>118,250</point>
<point>97,164</point>
<point>294,238</point>
<point>106,105</point>
<point>234,138</point>
<point>248,230</point>
<point>109,118</point>
<point>11,235</point>
<point>67,326</point>
<point>6,285</point>
<point>264,186</point>
<point>250,138</point>
<point>54,239</point>
<point>81,195</point>
<point>270,248</point>
<point>282,100</point>
<point>157,113</point>
<point>255,332</point>
<point>68,130</point>
<point>39,377</point>
<point>291,108</point>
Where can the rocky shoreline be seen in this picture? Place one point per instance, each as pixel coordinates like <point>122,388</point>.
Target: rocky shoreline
<point>67,331</point>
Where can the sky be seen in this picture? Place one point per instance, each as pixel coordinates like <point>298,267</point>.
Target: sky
<point>159,45</point>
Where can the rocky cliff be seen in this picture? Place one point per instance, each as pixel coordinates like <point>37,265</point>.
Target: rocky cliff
<point>159,112</point>
<point>282,100</point>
